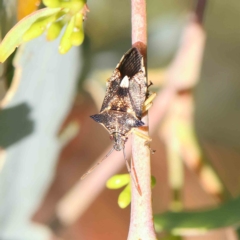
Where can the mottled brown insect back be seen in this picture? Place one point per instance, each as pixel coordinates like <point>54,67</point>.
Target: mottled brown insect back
<point>118,124</point>
<point>125,95</point>
<point>127,87</point>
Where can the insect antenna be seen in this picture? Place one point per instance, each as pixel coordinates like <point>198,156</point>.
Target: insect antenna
<point>92,168</point>
<point>134,177</point>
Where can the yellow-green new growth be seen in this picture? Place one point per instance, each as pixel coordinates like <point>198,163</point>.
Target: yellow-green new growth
<point>37,28</point>
<point>120,180</point>
<point>65,43</point>
<point>74,5</point>
<point>124,198</point>
<point>77,36</point>
<point>52,3</point>
<point>54,30</point>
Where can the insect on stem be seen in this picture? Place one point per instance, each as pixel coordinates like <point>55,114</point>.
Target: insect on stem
<point>122,107</point>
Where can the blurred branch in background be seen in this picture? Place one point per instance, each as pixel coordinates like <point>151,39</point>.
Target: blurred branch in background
<point>179,132</point>
<point>200,10</point>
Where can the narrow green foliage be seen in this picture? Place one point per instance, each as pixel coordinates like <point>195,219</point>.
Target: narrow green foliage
<point>124,198</point>
<point>118,181</point>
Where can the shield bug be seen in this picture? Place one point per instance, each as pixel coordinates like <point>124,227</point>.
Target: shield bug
<point>124,102</point>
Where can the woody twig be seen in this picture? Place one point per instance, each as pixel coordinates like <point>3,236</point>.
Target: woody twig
<point>141,225</point>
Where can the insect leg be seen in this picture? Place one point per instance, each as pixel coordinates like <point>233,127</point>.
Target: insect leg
<point>92,168</point>
<point>134,177</point>
<point>140,134</point>
<point>150,99</point>
<point>144,136</point>
<point>146,108</point>
<point>148,102</point>
<point>150,84</point>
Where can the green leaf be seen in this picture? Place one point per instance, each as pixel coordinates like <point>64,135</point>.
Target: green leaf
<point>14,37</point>
<point>118,181</point>
<point>180,223</point>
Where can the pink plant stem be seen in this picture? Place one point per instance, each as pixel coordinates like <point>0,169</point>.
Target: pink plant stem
<point>141,224</point>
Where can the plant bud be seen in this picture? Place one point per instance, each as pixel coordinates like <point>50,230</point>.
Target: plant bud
<point>36,29</point>
<point>65,43</point>
<point>74,5</point>
<point>79,20</point>
<point>77,38</point>
<point>118,181</point>
<point>51,3</point>
<point>124,198</point>
<point>54,30</point>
